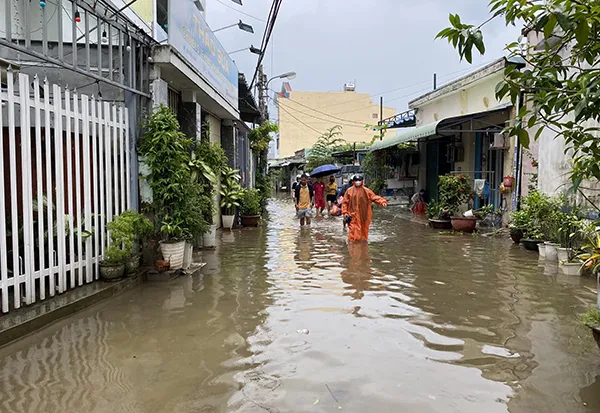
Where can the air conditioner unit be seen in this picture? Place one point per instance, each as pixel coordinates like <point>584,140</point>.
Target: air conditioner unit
<point>499,141</point>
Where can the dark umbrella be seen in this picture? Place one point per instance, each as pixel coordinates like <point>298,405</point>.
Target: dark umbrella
<point>325,170</point>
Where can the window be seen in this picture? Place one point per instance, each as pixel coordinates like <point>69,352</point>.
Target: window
<point>174,100</point>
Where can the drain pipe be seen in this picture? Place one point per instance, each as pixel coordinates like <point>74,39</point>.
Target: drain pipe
<point>518,163</point>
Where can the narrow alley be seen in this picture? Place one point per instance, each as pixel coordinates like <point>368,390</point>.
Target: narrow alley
<point>290,320</point>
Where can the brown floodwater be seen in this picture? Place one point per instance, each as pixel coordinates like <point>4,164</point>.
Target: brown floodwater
<point>290,320</point>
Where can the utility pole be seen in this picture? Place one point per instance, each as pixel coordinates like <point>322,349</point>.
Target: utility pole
<point>434,81</point>
<point>381,118</point>
<point>262,96</point>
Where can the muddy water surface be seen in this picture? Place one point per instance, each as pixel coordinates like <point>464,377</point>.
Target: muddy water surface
<point>284,320</point>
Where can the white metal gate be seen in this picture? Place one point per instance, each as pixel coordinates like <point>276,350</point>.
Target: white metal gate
<point>64,173</point>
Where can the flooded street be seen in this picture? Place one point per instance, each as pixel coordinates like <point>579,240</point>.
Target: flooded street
<point>290,320</point>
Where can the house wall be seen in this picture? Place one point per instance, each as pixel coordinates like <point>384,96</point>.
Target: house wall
<point>300,126</point>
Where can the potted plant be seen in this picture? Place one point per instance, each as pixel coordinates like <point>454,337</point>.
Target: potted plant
<point>590,250</point>
<point>172,245</point>
<point>438,216</point>
<point>231,193</point>
<point>126,228</point>
<point>250,207</point>
<point>591,319</point>
<point>454,191</point>
<point>568,232</point>
<point>520,223</point>
<point>112,266</point>
<point>208,161</point>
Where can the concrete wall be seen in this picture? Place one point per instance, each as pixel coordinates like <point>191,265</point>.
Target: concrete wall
<point>478,96</point>
<point>300,126</point>
<point>214,124</point>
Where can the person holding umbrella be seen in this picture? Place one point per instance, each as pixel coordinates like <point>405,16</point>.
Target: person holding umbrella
<point>357,210</point>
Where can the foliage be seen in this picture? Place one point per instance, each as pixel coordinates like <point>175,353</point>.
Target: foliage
<point>231,190</point>
<point>167,153</point>
<point>260,136</point>
<point>115,255</point>
<point>561,81</point>
<point>435,210</point>
<point>454,190</point>
<point>264,185</point>
<point>591,318</point>
<point>208,160</point>
<point>380,131</point>
<point>328,143</point>
<point>250,202</point>
<point>522,220</point>
<point>376,170</point>
<point>591,248</point>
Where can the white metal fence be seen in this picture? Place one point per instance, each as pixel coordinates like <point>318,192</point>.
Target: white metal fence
<point>64,173</point>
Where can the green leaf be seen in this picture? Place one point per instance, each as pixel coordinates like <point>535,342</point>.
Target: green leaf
<point>583,32</point>
<point>478,40</point>
<point>563,21</point>
<point>532,121</point>
<point>549,27</point>
<point>524,138</point>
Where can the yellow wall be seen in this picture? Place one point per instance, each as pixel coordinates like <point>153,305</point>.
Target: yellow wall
<point>306,115</point>
<point>144,9</point>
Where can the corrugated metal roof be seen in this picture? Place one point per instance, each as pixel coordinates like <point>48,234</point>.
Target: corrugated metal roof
<point>411,135</point>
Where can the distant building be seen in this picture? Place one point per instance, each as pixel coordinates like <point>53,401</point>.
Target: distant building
<point>304,116</point>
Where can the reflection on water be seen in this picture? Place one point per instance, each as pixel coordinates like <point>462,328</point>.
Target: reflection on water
<point>412,321</point>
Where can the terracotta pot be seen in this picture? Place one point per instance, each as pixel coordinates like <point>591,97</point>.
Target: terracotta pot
<point>516,235</point>
<point>464,224</point>
<point>440,224</point>
<point>250,221</point>
<point>111,272</point>
<point>596,334</point>
<point>530,244</point>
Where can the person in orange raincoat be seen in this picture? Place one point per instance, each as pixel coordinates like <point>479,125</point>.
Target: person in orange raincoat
<point>357,209</point>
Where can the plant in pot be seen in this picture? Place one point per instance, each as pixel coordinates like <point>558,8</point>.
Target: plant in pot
<point>167,154</point>
<point>568,236</point>
<point>131,225</point>
<point>591,319</point>
<point>455,191</point>
<point>208,160</point>
<point>231,193</point>
<point>112,266</point>
<point>520,223</point>
<point>439,217</point>
<point>250,206</point>
<point>590,250</point>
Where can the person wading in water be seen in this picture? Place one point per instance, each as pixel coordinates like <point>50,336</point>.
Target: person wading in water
<point>357,209</point>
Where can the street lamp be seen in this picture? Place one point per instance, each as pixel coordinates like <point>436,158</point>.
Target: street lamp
<point>287,75</point>
<point>251,48</point>
<point>243,26</point>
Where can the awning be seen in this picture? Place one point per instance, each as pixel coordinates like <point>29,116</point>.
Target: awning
<point>439,128</point>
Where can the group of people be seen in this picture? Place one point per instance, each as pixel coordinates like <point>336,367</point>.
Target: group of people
<point>352,201</point>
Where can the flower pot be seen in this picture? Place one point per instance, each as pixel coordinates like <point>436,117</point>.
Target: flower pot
<point>563,254</point>
<point>596,334</point>
<point>440,224</point>
<point>228,221</point>
<point>571,268</point>
<point>542,250</point>
<point>111,272</point>
<point>516,235</point>
<point>209,240</point>
<point>464,224</point>
<point>250,220</point>
<point>530,244</point>
<point>188,253</point>
<point>173,252</point>
<point>551,251</point>
<point>132,264</point>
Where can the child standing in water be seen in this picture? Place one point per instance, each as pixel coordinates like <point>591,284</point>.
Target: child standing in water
<point>331,193</point>
<point>319,190</point>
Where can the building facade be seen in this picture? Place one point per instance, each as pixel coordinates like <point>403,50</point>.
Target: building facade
<point>304,116</point>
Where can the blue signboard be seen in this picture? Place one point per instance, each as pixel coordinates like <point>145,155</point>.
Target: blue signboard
<point>191,36</point>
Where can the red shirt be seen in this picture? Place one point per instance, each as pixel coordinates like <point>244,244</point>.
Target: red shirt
<point>319,188</point>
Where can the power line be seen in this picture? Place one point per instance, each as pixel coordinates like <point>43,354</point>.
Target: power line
<point>241,12</point>
<point>355,125</point>
<point>267,35</point>
<point>301,122</point>
<point>318,111</point>
<point>412,85</point>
